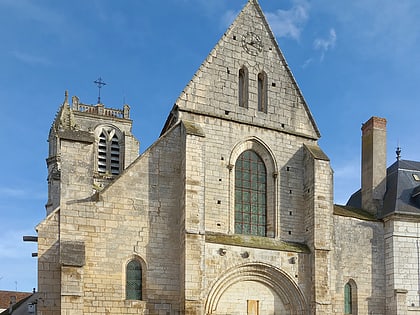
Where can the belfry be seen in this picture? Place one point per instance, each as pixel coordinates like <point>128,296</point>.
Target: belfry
<point>230,211</point>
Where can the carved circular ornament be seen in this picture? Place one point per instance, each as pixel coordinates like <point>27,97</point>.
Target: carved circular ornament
<point>252,43</point>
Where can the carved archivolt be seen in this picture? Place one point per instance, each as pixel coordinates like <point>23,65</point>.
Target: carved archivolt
<point>275,279</point>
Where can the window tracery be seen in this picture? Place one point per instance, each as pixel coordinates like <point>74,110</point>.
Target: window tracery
<point>250,194</point>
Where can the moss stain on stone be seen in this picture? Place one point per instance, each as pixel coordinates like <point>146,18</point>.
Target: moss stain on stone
<point>256,242</point>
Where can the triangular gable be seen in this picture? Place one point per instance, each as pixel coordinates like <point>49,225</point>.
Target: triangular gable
<point>214,89</point>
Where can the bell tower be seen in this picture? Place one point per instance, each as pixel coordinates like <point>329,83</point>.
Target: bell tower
<point>89,146</point>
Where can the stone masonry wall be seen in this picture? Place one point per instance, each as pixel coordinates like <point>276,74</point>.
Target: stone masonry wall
<point>402,259</point>
<point>358,249</point>
<point>135,217</point>
<point>221,138</point>
<point>195,164</point>
<point>49,269</point>
<point>319,208</point>
<point>214,88</point>
<point>218,263</point>
<point>210,102</point>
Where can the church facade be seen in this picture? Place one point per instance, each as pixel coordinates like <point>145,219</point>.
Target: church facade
<point>230,211</point>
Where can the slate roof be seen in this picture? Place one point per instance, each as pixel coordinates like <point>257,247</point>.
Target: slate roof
<point>402,190</point>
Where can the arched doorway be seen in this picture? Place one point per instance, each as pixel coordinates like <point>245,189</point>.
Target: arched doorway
<point>255,289</point>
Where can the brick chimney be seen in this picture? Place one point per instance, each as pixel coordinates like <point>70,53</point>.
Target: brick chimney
<point>373,164</point>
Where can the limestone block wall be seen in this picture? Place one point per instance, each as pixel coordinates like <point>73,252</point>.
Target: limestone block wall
<point>49,268</point>
<point>195,164</point>
<point>283,155</point>
<point>283,150</point>
<point>358,255</point>
<point>218,263</point>
<point>214,88</point>
<point>318,203</point>
<point>402,258</point>
<point>137,216</point>
<point>238,299</point>
<point>76,178</point>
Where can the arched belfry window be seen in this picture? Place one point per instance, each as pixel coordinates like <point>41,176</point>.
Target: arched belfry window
<point>133,280</point>
<point>243,87</point>
<point>262,92</point>
<point>250,194</point>
<point>109,152</point>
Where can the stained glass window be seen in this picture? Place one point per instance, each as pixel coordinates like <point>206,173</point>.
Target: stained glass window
<point>133,287</point>
<point>347,299</point>
<point>250,194</point>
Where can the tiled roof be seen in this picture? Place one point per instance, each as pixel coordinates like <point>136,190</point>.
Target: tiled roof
<point>5,297</point>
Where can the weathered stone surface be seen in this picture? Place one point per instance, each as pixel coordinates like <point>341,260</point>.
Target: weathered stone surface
<point>172,209</point>
<point>72,253</point>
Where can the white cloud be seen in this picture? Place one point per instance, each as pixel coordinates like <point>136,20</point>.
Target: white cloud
<point>289,23</point>
<point>228,18</point>
<point>32,10</point>
<point>18,193</point>
<point>325,44</point>
<point>51,22</point>
<point>11,192</point>
<point>377,29</point>
<point>30,59</point>
<point>307,63</point>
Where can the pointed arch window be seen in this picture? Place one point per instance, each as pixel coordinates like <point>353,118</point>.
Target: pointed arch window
<point>350,298</point>
<point>109,152</point>
<point>133,284</point>
<point>250,194</point>
<point>262,92</point>
<point>347,299</point>
<point>243,87</point>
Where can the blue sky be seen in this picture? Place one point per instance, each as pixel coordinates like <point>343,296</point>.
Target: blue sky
<point>352,60</point>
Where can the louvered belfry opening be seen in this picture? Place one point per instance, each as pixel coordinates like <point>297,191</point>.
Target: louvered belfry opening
<point>109,153</point>
<point>115,156</point>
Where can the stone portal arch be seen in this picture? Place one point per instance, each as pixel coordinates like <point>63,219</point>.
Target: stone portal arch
<point>253,279</point>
